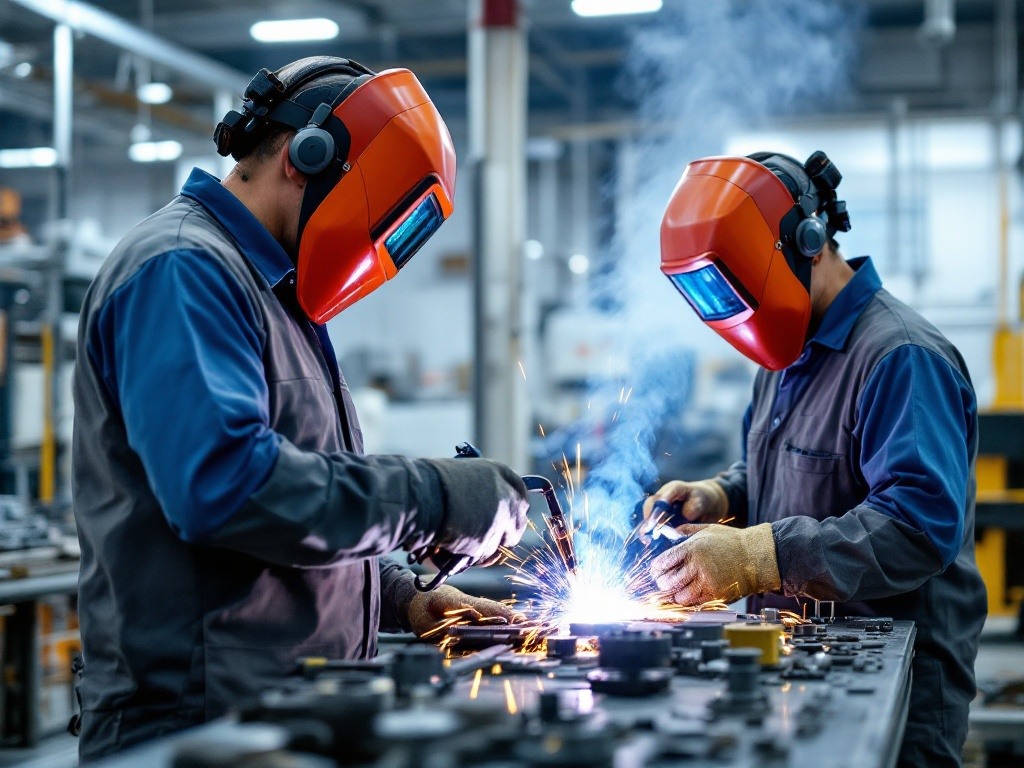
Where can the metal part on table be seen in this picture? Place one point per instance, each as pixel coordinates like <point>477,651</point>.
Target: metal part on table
<point>472,638</point>
<point>838,697</point>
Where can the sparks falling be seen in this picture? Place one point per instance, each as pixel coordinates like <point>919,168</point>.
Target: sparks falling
<point>611,582</point>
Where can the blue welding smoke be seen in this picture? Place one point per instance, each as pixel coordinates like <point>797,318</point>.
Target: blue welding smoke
<point>706,71</point>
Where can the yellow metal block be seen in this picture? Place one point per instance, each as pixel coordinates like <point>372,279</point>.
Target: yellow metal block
<point>765,637</point>
<point>991,473</point>
<point>990,553</point>
<point>1008,365</point>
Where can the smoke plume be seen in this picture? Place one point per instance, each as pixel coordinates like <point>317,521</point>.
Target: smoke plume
<point>705,71</point>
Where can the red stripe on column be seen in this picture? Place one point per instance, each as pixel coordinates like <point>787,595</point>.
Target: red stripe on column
<point>500,13</point>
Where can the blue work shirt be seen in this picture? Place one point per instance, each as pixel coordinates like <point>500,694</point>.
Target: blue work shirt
<point>217,352</point>
<point>910,386</point>
<point>861,457</point>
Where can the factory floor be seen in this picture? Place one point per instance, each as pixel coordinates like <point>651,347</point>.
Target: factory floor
<point>1000,659</point>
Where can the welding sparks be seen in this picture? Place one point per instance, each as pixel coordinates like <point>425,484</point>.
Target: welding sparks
<point>510,698</point>
<point>611,582</point>
<point>521,369</point>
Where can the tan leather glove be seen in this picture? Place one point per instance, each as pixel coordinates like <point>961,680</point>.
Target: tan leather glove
<point>718,562</point>
<point>428,609</point>
<point>704,501</point>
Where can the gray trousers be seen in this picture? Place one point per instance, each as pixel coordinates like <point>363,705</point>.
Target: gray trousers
<point>937,722</point>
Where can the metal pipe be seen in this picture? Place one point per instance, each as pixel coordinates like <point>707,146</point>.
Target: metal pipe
<point>90,20</point>
<point>580,164</point>
<point>63,112</point>
<point>479,660</point>
<point>894,213</point>
<point>497,110</point>
<point>1006,74</point>
<point>939,25</point>
<point>52,342</point>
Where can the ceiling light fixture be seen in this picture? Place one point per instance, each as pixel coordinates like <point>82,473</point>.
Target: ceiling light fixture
<point>590,8</point>
<point>154,151</point>
<point>29,157</point>
<point>293,30</point>
<point>154,93</point>
<point>579,264</point>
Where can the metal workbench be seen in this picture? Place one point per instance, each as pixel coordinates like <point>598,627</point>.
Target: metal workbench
<point>852,715</point>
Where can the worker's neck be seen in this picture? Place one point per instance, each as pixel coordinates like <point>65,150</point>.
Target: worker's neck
<point>831,275</point>
<point>261,201</point>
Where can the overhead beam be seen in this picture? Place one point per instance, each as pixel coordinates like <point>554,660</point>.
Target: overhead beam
<point>112,29</point>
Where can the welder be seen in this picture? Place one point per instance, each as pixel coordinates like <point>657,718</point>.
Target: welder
<point>856,483</point>
<point>229,522</point>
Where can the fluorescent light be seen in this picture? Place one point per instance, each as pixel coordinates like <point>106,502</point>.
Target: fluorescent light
<point>614,7</point>
<point>30,157</point>
<point>154,151</point>
<point>579,264</point>
<point>154,93</point>
<point>533,249</point>
<point>293,30</point>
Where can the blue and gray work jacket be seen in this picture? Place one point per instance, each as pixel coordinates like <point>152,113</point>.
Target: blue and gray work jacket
<point>228,521</point>
<point>861,456</point>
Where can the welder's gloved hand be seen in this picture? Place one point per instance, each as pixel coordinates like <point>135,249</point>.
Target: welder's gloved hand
<point>485,508</point>
<point>703,501</point>
<point>428,609</point>
<point>718,562</point>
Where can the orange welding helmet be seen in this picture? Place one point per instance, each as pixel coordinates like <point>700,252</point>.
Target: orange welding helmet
<point>380,166</point>
<point>737,241</point>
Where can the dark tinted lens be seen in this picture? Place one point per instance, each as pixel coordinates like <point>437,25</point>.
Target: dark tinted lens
<point>709,293</point>
<point>412,233</point>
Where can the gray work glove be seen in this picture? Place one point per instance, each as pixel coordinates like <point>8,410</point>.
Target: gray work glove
<point>485,508</point>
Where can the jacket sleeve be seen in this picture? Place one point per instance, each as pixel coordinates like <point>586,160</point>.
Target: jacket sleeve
<point>180,347</point>
<point>396,593</point>
<point>916,430</point>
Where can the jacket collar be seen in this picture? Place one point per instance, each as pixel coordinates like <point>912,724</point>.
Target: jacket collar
<point>252,238</point>
<point>846,308</point>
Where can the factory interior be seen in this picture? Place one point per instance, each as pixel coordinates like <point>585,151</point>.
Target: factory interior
<point>229,610</point>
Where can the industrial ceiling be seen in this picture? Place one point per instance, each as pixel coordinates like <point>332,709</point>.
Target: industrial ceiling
<point>575,63</point>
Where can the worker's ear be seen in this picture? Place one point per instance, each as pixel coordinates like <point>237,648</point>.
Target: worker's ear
<point>292,173</point>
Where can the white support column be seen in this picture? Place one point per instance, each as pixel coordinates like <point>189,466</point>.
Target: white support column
<point>63,88</point>
<point>497,77</point>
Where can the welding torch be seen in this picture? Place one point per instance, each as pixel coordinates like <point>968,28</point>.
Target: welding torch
<point>555,520</point>
<point>449,564</point>
<point>663,535</point>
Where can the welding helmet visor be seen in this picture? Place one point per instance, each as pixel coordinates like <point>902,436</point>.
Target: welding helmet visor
<point>709,293</point>
<point>721,248</point>
<point>366,216</point>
